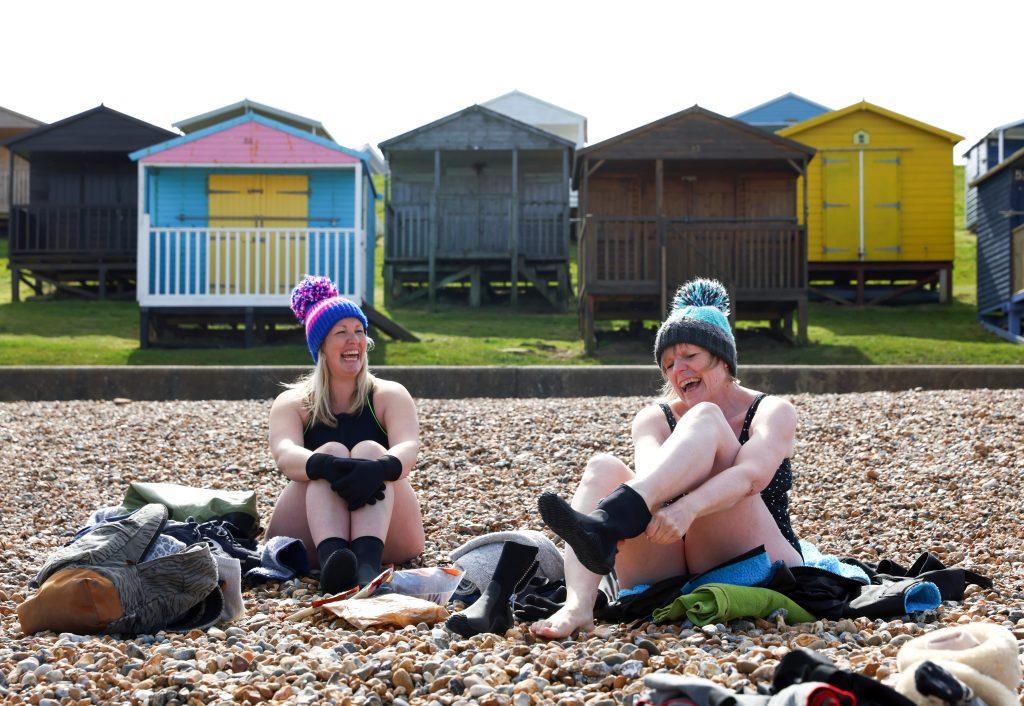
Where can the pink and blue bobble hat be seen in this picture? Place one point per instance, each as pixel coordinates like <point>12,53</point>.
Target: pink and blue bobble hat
<point>317,304</point>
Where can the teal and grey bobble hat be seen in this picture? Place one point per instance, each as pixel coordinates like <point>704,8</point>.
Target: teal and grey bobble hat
<point>699,316</point>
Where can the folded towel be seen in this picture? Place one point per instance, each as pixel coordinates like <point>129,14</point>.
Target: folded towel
<point>830,562</point>
<point>753,568</point>
<point>719,603</point>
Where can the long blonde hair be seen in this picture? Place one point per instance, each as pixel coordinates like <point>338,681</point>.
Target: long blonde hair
<point>316,390</point>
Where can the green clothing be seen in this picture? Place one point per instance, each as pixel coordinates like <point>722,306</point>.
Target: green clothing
<point>183,502</point>
<point>722,602</point>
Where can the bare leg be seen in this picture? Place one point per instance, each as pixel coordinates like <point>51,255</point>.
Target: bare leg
<point>326,512</point>
<point>638,560</point>
<point>397,519</point>
<point>302,510</point>
<point>702,444</point>
<point>372,520</point>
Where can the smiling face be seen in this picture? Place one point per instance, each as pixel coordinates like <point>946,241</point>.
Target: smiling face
<point>344,347</point>
<point>695,374</point>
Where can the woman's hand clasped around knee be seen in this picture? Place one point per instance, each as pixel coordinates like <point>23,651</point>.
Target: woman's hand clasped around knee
<point>365,480</point>
<point>670,523</point>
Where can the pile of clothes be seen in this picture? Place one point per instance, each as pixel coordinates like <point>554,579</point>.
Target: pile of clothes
<point>169,557</point>
<point>970,665</point>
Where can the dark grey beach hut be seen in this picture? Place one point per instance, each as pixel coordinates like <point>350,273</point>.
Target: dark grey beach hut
<point>77,229</point>
<point>477,198</point>
<point>999,224</point>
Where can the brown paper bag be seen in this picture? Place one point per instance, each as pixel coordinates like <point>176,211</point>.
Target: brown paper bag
<point>389,609</point>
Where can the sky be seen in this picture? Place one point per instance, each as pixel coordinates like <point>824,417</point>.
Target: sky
<point>373,70</point>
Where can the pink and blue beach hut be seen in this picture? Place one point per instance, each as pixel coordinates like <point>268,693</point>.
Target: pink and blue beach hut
<point>233,215</point>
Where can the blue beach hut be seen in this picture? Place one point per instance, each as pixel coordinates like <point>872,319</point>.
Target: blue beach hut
<point>788,109</point>
<point>984,155</point>
<point>999,225</point>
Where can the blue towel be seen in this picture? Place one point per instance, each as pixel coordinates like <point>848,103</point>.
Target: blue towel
<point>752,569</point>
<point>639,588</point>
<point>923,596</point>
<point>830,562</point>
<point>282,558</point>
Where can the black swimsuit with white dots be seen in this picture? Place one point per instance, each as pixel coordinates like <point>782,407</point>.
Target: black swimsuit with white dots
<point>776,495</point>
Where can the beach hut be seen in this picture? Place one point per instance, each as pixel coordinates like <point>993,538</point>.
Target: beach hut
<point>76,230</point>
<point>477,196</point>
<point>984,155</point>
<point>694,194</point>
<point>999,225</point>
<point>231,216</point>
<point>539,113</point>
<point>248,107</point>
<point>778,113</point>
<point>13,169</point>
<point>880,205</point>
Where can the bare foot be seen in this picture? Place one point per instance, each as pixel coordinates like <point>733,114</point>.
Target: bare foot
<point>564,622</point>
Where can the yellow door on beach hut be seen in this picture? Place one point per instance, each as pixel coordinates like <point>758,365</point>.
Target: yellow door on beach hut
<point>840,206</point>
<point>253,256</point>
<point>897,175</point>
<point>881,205</point>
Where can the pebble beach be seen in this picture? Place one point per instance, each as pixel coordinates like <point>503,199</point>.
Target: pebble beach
<point>878,475</point>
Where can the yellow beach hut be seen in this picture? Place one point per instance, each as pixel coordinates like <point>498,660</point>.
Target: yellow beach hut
<point>880,205</point>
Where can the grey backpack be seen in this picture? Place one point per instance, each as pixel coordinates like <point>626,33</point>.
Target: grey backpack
<point>99,583</point>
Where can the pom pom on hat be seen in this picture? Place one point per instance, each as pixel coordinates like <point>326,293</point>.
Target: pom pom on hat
<point>310,292</point>
<point>702,292</point>
<point>700,316</point>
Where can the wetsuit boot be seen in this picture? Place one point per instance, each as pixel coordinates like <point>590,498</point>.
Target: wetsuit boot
<point>594,537</point>
<point>492,612</point>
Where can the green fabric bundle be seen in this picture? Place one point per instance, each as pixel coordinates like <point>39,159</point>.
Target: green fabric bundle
<point>183,501</point>
<point>722,602</point>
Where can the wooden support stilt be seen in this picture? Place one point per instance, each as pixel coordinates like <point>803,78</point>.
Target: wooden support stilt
<point>801,321</point>
<point>144,327</point>
<point>15,284</point>
<point>589,334</point>
<point>474,287</point>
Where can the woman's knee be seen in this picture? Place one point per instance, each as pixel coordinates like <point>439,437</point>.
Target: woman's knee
<point>704,413</point>
<point>368,450</point>
<point>605,469</point>
<point>334,448</point>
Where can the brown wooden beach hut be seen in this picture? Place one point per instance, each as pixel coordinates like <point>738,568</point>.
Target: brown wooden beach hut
<point>13,170</point>
<point>692,194</point>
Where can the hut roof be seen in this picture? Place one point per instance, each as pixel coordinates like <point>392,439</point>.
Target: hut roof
<point>1009,161</point>
<point>476,128</point>
<point>246,106</point>
<point>100,129</point>
<point>871,108</point>
<point>697,134</point>
<point>11,119</point>
<point>784,110</point>
<point>250,139</point>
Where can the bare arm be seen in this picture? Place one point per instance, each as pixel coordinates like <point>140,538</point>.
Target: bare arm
<point>403,428</point>
<point>286,436</point>
<point>770,442</point>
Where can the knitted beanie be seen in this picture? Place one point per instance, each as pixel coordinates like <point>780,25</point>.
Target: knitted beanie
<point>700,316</point>
<point>317,305</point>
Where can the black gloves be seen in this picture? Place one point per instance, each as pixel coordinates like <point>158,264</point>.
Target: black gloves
<point>326,467</point>
<point>358,481</point>
<point>364,483</point>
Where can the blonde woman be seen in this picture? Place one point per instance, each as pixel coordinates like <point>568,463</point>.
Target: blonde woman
<point>347,442</point>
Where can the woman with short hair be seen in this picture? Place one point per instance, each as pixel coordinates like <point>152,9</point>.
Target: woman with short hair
<point>712,472</point>
<point>347,441</point>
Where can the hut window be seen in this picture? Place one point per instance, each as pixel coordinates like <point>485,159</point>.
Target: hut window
<point>861,137</point>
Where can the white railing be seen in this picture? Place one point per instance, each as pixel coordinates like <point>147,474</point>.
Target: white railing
<point>244,266</point>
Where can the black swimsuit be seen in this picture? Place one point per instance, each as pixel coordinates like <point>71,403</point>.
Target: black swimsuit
<point>776,495</point>
<point>350,430</point>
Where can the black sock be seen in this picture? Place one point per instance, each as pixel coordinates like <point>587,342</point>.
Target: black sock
<point>368,551</point>
<point>337,565</point>
<point>492,612</point>
<point>622,514</point>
